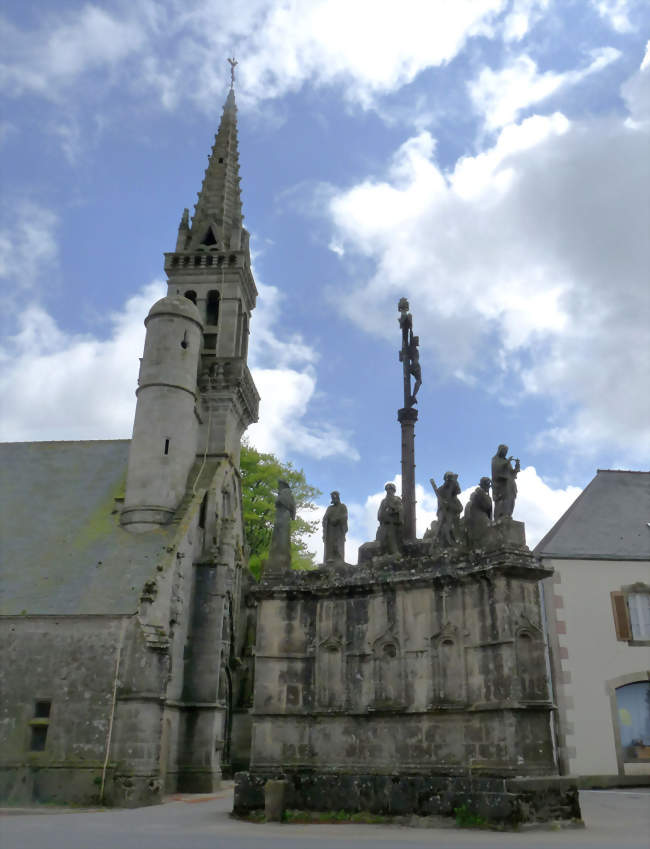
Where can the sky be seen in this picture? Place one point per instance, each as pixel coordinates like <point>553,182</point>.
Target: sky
<point>487,159</point>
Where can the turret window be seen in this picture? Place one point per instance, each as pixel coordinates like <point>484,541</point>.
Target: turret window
<point>212,307</point>
<point>166,449</point>
<point>191,296</point>
<point>209,238</point>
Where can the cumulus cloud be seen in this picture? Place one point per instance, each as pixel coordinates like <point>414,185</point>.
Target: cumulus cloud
<point>501,96</point>
<point>527,262</point>
<point>175,48</point>
<point>72,386</point>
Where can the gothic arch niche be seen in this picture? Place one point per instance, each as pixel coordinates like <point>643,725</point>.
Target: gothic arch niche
<point>330,674</point>
<point>532,682</point>
<point>448,666</point>
<point>388,669</point>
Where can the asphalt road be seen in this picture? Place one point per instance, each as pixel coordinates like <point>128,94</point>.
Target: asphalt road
<point>616,819</point>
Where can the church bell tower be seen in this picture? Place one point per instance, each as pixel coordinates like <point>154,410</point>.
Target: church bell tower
<point>195,393</point>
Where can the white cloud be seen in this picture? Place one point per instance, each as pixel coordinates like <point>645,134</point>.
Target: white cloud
<point>526,266</point>
<point>502,95</point>
<point>521,18</point>
<point>27,245</point>
<point>71,386</point>
<point>616,13</point>
<point>636,93</point>
<point>176,48</point>
<point>66,48</point>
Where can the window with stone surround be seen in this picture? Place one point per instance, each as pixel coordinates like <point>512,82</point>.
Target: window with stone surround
<point>631,610</point>
<point>633,710</point>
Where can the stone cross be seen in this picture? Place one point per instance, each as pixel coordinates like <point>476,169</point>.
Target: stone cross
<point>233,62</point>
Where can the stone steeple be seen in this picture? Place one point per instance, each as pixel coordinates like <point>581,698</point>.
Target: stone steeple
<point>211,266</point>
<point>217,220</point>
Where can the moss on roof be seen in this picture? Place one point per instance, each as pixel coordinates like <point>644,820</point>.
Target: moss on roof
<point>62,550</point>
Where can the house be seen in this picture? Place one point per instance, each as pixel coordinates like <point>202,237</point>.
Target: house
<point>598,615</point>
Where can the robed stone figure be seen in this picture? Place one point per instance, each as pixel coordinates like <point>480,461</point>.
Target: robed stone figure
<point>389,516</point>
<point>478,512</point>
<point>449,509</point>
<point>285,511</point>
<point>504,487</point>
<point>335,527</point>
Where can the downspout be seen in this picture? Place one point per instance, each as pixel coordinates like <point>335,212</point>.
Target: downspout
<point>118,657</point>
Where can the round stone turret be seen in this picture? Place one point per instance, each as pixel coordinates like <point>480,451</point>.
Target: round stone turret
<point>163,446</point>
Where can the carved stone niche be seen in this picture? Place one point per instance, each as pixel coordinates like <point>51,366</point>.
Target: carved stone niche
<point>388,673</point>
<point>531,683</point>
<point>330,674</point>
<point>448,667</point>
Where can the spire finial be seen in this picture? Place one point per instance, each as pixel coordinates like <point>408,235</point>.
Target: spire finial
<point>233,62</point>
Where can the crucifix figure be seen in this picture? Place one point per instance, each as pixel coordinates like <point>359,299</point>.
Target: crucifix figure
<point>407,416</point>
<point>409,355</point>
<point>233,62</point>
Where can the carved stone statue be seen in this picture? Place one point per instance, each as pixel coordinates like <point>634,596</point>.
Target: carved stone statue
<point>389,515</point>
<point>504,487</point>
<point>285,511</point>
<point>478,512</point>
<point>449,509</point>
<point>409,355</point>
<point>335,527</point>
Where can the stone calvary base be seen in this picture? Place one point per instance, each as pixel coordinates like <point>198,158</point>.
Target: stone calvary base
<point>414,684</point>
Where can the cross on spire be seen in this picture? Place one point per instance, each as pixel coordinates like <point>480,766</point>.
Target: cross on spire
<point>233,63</point>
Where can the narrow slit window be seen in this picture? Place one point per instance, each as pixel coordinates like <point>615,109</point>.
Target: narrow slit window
<point>212,307</point>
<point>204,510</point>
<point>166,447</point>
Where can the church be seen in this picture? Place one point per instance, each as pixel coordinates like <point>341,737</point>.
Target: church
<point>124,561</point>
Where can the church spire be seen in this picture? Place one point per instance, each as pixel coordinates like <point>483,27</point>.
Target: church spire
<point>217,220</point>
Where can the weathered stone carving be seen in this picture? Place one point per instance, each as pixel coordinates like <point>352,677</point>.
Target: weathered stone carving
<point>409,355</point>
<point>389,516</point>
<point>504,486</point>
<point>335,527</point>
<point>478,513</point>
<point>285,511</point>
<point>449,510</point>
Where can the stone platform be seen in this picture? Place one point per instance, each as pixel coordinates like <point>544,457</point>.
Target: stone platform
<point>385,686</point>
<point>499,801</point>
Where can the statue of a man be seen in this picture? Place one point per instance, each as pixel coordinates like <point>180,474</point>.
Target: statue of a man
<point>478,512</point>
<point>285,511</point>
<point>335,527</point>
<point>449,509</point>
<point>504,487</point>
<point>389,516</point>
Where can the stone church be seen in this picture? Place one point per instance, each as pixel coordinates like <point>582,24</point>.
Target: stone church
<point>124,561</point>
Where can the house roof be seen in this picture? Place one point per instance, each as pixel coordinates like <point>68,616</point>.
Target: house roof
<point>62,550</point>
<point>609,520</point>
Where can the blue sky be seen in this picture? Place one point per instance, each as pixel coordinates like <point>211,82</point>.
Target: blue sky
<point>487,159</point>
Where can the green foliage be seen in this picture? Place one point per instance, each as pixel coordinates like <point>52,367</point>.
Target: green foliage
<point>467,819</point>
<point>260,474</point>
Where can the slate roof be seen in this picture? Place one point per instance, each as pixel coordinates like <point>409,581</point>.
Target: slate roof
<point>62,550</point>
<point>608,521</point>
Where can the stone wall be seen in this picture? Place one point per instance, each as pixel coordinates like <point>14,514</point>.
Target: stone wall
<point>395,676</point>
<point>416,665</point>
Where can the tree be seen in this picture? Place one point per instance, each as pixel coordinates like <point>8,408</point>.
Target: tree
<point>260,474</point>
